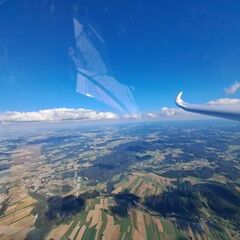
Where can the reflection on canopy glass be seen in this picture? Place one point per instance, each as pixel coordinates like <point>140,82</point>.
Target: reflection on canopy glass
<point>93,77</point>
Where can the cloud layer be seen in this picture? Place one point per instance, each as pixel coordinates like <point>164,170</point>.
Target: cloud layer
<point>62,114</point>
<point>57,114</point>
<point>169,113</point>
<point>233,88</point>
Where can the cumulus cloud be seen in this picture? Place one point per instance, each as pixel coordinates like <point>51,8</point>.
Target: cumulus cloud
<point>57,114</point>
<point>152,115</point>
<point>170,113</point>
<point>233,88</point>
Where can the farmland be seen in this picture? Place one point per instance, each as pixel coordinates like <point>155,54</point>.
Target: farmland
<point>98,222</point>
<point>17,219</point>
<point>140,181</point>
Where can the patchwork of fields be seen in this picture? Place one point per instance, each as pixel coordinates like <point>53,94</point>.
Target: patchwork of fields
<point>17,219</point>
<point>127,182</point>
<point>97,222</point>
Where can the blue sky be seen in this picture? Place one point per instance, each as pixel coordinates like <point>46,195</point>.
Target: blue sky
<point>159,47</point>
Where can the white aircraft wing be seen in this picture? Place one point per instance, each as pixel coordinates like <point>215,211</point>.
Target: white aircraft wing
<point>227,111</point>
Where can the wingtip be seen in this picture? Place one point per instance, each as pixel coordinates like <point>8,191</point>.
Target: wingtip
<point>179,98</point>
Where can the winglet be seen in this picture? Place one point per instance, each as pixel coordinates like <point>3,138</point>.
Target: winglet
<point>179,100</point>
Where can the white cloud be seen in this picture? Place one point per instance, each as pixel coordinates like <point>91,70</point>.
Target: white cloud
<point>233,88</point>
<point>224,101</point>
<point>152,115</point>
<point>170,112</point>
<point>57,114</point>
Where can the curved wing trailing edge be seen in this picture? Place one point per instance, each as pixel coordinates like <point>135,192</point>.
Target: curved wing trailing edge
<point>219,110</point>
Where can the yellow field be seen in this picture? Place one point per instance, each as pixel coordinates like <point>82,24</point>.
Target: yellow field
<point>143,184</point>
<point>17,220</point>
